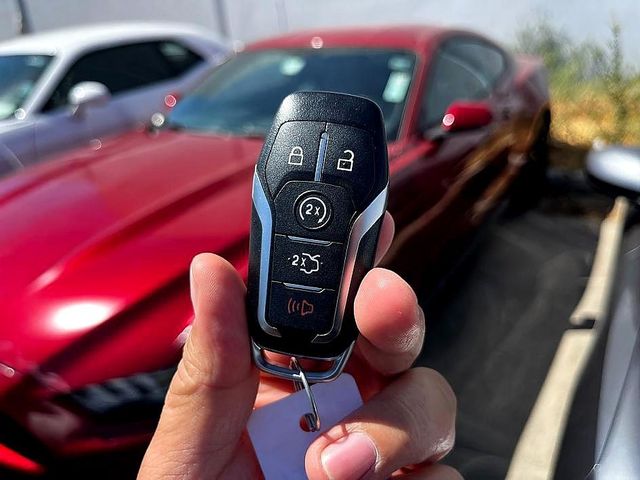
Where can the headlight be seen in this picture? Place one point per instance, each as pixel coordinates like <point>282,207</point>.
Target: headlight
<point>7,371</point>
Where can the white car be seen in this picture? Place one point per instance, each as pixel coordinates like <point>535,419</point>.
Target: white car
<point>64,88</point>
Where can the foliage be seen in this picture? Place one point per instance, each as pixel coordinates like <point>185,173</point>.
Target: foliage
<point>592,89</point>
<point>617,85</point>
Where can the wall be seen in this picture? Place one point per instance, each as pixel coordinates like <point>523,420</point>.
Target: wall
<point>247,20</point>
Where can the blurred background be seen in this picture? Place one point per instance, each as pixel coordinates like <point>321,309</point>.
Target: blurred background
<point>588,46</point>
<point>522,313</point>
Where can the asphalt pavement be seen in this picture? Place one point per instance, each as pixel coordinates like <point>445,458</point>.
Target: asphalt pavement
<point>494,329</point>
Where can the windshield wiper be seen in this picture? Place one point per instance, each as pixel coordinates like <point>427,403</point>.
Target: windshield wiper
<point>248,133</point>
<point>256,135</point>
<point>174,127</point>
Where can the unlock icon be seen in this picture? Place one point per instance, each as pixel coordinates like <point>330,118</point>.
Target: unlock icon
<point>296,156</point>
<point>346,164</point>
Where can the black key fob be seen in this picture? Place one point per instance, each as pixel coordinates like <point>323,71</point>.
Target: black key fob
<point>319,197</point>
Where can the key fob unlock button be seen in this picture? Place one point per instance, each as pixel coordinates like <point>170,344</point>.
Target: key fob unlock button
<point>350,161</point>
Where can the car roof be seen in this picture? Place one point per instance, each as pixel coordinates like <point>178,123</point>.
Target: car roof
<point>411,37</point>
<point>70,40</point>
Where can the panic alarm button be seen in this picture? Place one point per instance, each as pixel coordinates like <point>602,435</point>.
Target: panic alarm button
<point>310,310</point>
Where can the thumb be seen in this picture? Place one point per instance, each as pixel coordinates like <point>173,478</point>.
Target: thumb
<point>213,391</point>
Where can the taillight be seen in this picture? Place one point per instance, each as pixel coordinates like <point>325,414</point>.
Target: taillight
<point>17,462</point>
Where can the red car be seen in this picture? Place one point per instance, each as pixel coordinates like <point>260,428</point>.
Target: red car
<point>95,245</point>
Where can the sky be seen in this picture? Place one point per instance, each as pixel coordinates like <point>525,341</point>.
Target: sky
<point>251,19</point>
<point>500,19</point>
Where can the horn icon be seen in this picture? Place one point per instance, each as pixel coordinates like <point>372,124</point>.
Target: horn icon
<point>303,308</point>
<point>307,308</point>
<point>293,306</point>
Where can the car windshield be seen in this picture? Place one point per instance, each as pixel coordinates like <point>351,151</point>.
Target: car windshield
<point>19,74</point>
<point>242,96</point>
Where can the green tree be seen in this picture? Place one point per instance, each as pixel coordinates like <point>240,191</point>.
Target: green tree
<point>617,85</point>
<point>592,88</point>
<point>543,40</point>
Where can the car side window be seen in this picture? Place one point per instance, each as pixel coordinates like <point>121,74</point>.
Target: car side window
<point>482,57</point>
<point>180,58</point>
<point>120,69</point>
<point>462,70</point>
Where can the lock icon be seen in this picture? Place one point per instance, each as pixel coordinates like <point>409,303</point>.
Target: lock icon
<point>296,156</point>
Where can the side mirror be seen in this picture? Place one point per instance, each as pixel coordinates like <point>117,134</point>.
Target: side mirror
<point>616,170</point>
<point>87,94</point>
<point>464,115</point>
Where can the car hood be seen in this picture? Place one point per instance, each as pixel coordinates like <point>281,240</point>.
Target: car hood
<point>97,244</point>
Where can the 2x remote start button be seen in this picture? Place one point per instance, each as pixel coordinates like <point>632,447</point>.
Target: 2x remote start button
<point>313,210</point>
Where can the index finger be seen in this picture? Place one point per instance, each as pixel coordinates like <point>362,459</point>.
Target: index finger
<point>390,321</point>
<point>386,236</point>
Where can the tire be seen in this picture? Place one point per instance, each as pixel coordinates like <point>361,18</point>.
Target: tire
<point>531,182</point>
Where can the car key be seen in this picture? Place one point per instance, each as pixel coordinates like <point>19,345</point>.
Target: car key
<point>319,196</point>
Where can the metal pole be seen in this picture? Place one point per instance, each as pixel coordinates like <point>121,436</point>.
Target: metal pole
<point>25,21</point>
<point>283,20</point>
<point>221,17</point>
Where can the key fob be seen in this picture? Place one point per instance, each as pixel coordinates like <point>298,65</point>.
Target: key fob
<point>319,197</point>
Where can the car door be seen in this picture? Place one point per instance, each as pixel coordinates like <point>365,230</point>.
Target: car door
<point>136,75</point>
<point>167,66</point>
<point>485,172</point>
<point>17,147</point>
<point>439,190</point>
<point>188,67</point>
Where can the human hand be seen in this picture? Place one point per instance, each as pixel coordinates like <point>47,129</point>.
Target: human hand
<point>405,425</point>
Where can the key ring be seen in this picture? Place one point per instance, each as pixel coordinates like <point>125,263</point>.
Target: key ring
<point>312,419</point>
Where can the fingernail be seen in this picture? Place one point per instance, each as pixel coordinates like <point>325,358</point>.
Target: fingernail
<point>192,286</point>
<point>349,458</point>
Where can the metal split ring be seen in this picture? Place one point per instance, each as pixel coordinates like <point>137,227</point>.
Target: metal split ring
<point>300,382</point>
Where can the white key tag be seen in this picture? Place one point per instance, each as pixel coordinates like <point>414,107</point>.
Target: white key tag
<point>276,433</point>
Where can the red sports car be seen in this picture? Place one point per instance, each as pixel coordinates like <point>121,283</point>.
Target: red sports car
<point>95,246</point>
